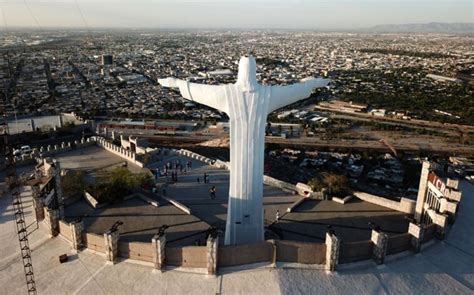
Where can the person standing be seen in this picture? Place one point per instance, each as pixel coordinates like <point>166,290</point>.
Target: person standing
<point>213,192</point>
<point>277,216</point>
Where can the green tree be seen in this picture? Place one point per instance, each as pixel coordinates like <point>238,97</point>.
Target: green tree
<point>118,183</point>
<point>73,184</point>
<point>337,185</point>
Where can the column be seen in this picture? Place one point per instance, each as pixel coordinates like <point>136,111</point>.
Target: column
<point>420,200</point>
<point>52,219</point>
<point>333,244</point>
<point>158,243</point>
<point>77,229</point>
<point>380,241</point>
<point>57,188</point>
<point>38,204</point>
<point>111,245</point>
<point>417,232</point>
<point>274,253</point>
<point>212,245</point>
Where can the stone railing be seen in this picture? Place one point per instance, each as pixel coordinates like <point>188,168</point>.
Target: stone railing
<point>125,154</point>
<point>405,205</point>
<point>178,205</point>
<point>91,200</point>
<point>196,156</point>
<point>51,150</point>
<point>272,253</point>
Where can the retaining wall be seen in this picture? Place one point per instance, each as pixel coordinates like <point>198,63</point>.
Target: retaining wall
<point>355,251</point>
<point>398,243</point>
<point>429,232</point>
<point>65,230</point>
<point>94,242</point>
<point>244,254</point>
<point>136,250</point>
<point>405,205</point>
<point>191,256</point>
<point>300,252</point>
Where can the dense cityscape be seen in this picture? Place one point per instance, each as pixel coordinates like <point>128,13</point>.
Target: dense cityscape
<point>270,158</point>
<point>115,73</point>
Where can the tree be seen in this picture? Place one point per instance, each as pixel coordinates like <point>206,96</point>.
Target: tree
<point>336,184</point>
<point>73,184</point>
<point>118,183</point>
<point>316,184</point>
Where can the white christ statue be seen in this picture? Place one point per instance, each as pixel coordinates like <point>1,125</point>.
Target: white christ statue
<point>247,104</point>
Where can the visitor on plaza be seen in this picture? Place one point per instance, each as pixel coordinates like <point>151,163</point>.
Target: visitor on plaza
<point>212,192</point>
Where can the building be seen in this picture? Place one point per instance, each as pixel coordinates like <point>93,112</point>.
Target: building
<point>107,59</point>
<point>438,197</point>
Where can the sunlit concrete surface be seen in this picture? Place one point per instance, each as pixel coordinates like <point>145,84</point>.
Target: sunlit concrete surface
<point>443,267</point>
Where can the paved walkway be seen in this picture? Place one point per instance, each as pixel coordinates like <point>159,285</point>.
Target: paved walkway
<point>445,267</point>
<point>307,223</point>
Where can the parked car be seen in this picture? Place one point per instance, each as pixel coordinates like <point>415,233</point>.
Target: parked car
<point>25,150</point>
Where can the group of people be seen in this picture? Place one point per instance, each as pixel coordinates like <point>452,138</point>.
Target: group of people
<point>206,178</point>
<point>183,169</point>
<point>174,168</point>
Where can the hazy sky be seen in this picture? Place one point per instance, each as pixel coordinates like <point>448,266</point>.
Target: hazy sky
<point>291,14</point>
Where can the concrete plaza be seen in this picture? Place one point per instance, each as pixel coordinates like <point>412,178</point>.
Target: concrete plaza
<point>141,221</point>
<point>445,267</point>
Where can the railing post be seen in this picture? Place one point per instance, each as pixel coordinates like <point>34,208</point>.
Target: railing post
<point>159,242</point>
<point>333,245</point>
<point>417,232</point>
<point>274,253</point>
<point>77,229</point>
<point>111,242</point>
<point>38,204</point>
<point>212,245</point>
<point>52,219</point>
<point>380,242</point>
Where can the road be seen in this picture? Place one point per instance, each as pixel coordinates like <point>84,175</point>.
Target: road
<point>412,122</point>
<point>361,145</point>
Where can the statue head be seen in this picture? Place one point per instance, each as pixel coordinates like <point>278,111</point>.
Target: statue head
<point>247,77</point>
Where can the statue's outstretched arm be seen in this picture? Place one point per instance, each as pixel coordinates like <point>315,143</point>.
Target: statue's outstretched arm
<point>210,95</point>
<point>285,95</point>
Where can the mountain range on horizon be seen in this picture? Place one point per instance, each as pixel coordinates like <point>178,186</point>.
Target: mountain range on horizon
<point>432,27</point>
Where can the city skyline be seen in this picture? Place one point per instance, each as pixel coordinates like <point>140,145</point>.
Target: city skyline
<point>231,14</point>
